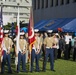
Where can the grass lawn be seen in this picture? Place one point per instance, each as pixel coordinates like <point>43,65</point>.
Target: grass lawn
<point>62,67</point>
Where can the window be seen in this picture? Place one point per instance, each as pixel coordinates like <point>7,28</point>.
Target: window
<point>9,13</point>
<point>34,4</point>
<point>2,0</point>
<point>21,13</point>
<point>27,1</point>
<point>46,4</point>
<point>67,1</point>
<point>51,3</point>
<point>56,4</point>
<point>14,0</point>
<point>62,2</point>
<point>20,0</point>
<point>9,7</point>
<point>42,3</point>
<point>74,0</point>
<point>38,4</point>
<point>5,13</point>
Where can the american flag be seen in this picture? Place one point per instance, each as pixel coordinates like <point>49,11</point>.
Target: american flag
<point>1,37</point>
<point>1,26</point>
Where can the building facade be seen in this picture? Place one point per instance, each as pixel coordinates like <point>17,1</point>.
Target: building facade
<point>10,10</point>
<point>49,9</point>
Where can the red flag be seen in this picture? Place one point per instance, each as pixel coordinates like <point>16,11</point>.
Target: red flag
<point>16,30</point>
<point>31,36</point>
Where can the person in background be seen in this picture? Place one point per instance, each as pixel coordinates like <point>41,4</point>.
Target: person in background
<point>61,46</point>
<point>45,35</point>
<point>56,46</point>
<point>72,44</point>
<point>66,52</point>
<point>74,52</point>
<point>70,47</point>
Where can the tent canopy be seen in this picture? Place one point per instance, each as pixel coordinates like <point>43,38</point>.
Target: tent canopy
<point>52,24</point>
<point>37,25</point>
<point>70,27</point>
<point>24,29</point>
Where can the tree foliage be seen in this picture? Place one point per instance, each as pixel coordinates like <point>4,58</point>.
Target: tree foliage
<point>9,26</point>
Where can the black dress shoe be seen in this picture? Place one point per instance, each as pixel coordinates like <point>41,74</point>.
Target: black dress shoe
<point>31,71</point>
<point>37,71</point>
<point>2,73</point>
<point>53,70</point>
<point>24,71</point>
<point>43,70</point>
<point>10,72</point>
<point>17,71</point>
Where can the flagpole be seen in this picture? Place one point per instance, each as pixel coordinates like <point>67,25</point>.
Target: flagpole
<point>17,37</point>
<point>18,16</point>
<point>1,41</point>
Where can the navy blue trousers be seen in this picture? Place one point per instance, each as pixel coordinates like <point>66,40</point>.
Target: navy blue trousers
<point>21,57</point>
<point>6,57</point>
<point>50,53</point>
<point>36,57</point>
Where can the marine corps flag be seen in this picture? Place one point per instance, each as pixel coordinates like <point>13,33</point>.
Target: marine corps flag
<point>31,37</point>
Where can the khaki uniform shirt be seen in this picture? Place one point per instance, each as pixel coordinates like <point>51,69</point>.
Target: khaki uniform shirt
<point>41,40</point>
<point>49,42</point>
<point>7,42</point>
<point>23,44</point>
<point>38,43</point>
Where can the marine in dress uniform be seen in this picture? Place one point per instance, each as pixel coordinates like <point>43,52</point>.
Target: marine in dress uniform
<point>49,51</point>
<point>7,45</point>
<point>35,54</point>
<point>22,53</point>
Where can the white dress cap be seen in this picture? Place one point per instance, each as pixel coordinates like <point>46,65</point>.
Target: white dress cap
<point>6,31</point>
<point>56,34</point>
<point>22,33</point>
<point>36,30</point>
<point>50,31</point>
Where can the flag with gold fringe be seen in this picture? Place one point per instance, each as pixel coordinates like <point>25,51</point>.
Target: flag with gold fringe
<point>31,36</point>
